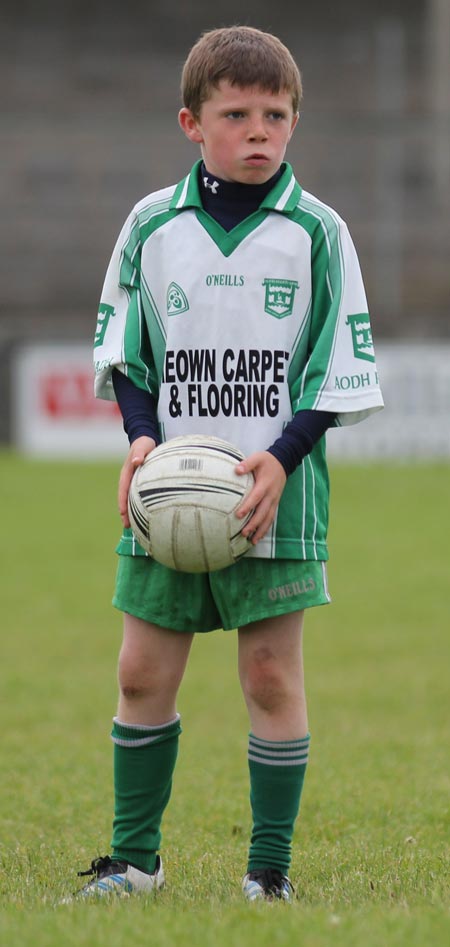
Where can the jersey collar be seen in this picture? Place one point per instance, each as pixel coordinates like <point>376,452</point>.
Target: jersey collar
<point>283,197</point>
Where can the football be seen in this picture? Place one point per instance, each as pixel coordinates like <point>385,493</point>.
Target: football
<point>182,504</point>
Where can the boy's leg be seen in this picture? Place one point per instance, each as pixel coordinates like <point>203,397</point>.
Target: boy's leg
<point>145,734</point>
<point>152,662</point>
<point>271,674</point>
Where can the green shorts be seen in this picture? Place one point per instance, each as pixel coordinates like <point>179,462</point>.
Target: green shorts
<point>247,591</point>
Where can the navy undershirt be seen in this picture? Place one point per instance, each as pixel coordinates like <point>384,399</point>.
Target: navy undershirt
<point>228,202</point>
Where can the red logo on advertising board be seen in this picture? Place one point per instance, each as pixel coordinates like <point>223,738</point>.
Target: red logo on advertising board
<point>69,395</point>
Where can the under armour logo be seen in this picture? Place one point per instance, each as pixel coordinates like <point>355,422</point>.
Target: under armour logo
<point>213,187</point>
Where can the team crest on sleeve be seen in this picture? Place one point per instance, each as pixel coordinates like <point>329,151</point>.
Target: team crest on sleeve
<point>176,300</point>
<point>361,336</point>
<point>105,313</point>
<point>280,294</point>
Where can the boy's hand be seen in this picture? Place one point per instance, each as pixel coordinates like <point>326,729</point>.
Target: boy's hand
<point>135,457</point>
<point>265,496</point>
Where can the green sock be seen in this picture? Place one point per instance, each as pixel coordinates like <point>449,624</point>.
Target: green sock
<point>144,761</point>
<point>277,771</point>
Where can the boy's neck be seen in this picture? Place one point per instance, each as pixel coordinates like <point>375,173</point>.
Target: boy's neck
<point>222,188</point>
<point>230,202</point>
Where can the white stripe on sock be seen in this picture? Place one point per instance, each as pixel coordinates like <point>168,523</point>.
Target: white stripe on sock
<point>273,762</point>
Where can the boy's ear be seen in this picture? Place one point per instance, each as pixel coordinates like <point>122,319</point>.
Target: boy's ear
<point>294,122</point>
<point>190,125</point>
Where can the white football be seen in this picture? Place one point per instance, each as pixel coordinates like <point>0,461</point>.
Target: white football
<point>182,504</point>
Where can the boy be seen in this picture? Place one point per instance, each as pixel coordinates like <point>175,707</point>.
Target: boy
<point>237,284</point>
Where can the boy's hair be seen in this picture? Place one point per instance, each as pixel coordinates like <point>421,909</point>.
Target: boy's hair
<point>243,55</point>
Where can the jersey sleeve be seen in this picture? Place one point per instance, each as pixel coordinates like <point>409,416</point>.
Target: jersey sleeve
<point>340,374</point>
<point>121,337</point>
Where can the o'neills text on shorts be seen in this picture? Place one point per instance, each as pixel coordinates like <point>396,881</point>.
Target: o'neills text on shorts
<point>290,590</point>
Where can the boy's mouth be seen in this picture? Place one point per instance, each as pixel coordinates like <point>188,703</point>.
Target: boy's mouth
<point>257,158</point>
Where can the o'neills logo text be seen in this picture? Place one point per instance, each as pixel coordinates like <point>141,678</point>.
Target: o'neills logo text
<point>239,383</point>
<point>224,279</point>
<point>292,589</point>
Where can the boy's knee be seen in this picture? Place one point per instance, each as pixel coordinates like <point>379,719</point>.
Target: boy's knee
<point>133,691</point>
<point>264,682</point>
<point>137,682</point>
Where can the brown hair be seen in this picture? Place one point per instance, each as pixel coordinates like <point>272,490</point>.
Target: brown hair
<point>243,55</point>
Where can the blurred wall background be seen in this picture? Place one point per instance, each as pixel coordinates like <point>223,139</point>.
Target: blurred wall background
<point>88,112</point>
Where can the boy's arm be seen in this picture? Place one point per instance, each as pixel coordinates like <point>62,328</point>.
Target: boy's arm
<point>138,409</point>
<point>299,437</point>
<point>272,467</point>
<point>122,339</point>
<point>340,375</point>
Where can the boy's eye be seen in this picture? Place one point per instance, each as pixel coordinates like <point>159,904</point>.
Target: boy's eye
<point>272,116</point>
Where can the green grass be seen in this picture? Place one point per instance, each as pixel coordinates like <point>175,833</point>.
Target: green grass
<point>371,851</point>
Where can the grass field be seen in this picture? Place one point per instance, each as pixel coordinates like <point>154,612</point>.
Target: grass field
<point>371,852</point>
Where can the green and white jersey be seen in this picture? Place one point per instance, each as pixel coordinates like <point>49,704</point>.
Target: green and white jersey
<point>234,332</point>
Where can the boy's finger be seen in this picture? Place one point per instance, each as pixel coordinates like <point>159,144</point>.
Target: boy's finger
<point>250,503</point>
<point>248,464</point>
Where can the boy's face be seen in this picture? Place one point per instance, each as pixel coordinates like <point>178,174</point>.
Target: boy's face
<point>242,133</point>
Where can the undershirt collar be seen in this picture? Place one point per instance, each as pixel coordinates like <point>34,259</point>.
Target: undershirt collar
<point>230,202</point>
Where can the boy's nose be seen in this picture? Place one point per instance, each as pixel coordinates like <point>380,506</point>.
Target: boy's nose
<point>257,130</point>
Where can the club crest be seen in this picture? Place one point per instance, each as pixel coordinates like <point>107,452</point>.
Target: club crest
<point>176,300</point>
<point>105,313</point>
<point>280,294</point>
<point>361,336</point>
